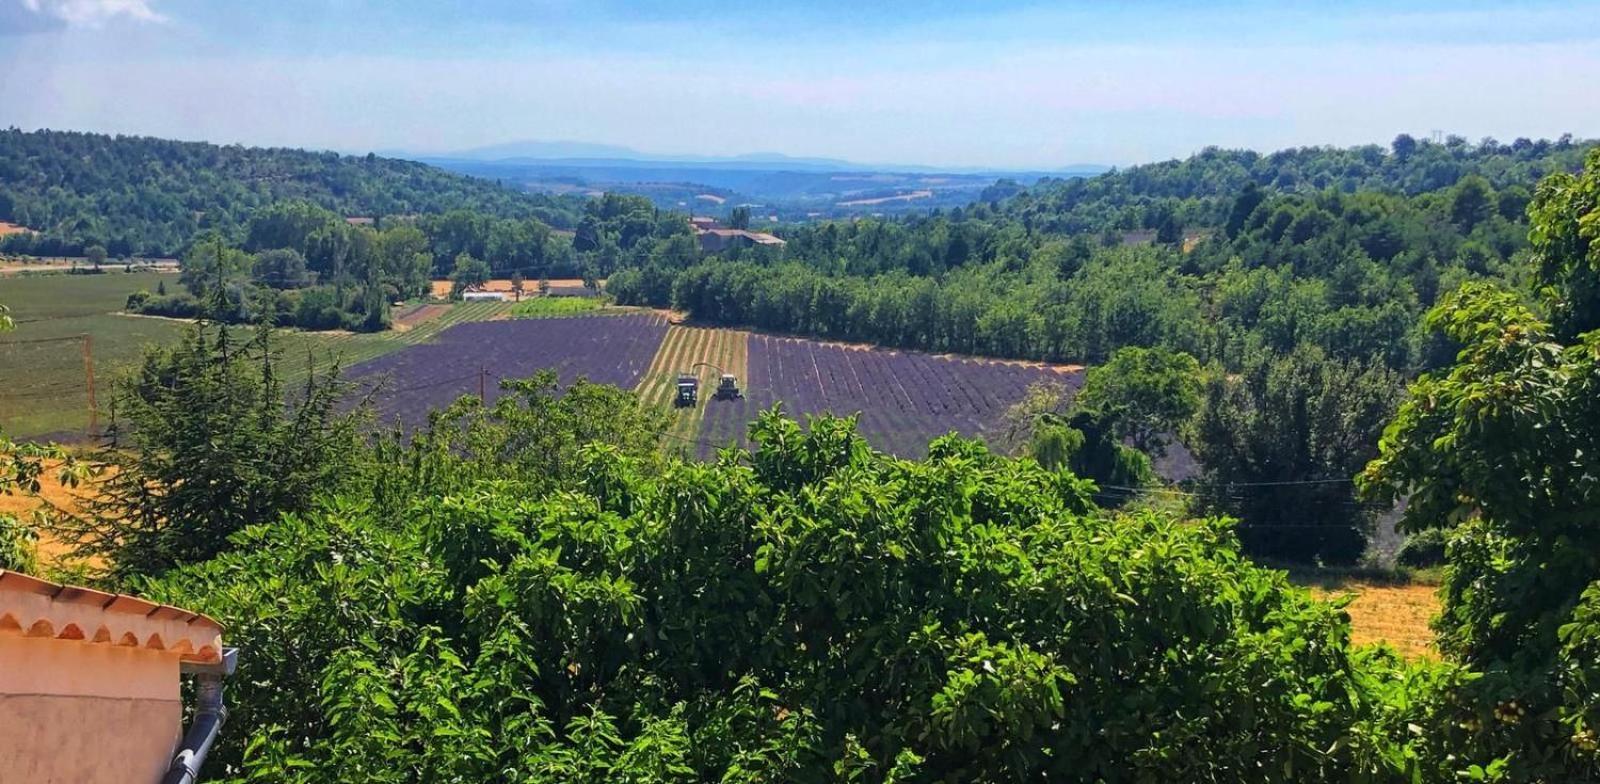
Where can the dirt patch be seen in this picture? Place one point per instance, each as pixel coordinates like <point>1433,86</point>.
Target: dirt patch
<point>19,264</point>
<point>12,228</point>
<point>711,197</point>
<point>418,314</point>
<point>52,494</point>
<point>440,289</point>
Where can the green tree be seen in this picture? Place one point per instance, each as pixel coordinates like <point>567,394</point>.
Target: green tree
<point>209,266</point>
<point>1145,394</point>
<point>534,432</point>
<point>1501,450</point>
<point>468,273</point>
<point>1048,426</point>
<point>1404,146</point>
<point>1565,233</point>
<point>1279,443</point>
<point>1471,202</point>
<point>96,255</point>
<point>207,441</point>
<point>281,268</point>
<point>739,218</point>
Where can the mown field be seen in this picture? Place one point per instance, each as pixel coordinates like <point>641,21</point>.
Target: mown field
<point>43,381</point>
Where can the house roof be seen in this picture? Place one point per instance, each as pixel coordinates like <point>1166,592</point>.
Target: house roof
<point>758,237</point>
<point>32,607</point>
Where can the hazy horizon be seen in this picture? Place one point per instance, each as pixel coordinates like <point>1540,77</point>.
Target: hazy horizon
<point>1010,85</point>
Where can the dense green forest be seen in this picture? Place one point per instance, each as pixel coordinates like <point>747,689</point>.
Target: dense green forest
<point>1241,250</point>
<point>533,591</point>
<point>138,196</point>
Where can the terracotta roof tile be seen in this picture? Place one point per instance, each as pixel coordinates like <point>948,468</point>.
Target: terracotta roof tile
<point>40,608</point>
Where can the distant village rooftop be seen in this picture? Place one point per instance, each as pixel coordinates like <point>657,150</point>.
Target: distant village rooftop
<point>715,237</point>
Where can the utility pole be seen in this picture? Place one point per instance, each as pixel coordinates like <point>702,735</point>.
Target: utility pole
<point>88,370</point>
<point>482,373</point>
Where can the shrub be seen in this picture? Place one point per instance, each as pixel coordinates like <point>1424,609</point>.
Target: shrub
<point>1422,549</point>
<point>18,545</point>
<point>172,305</point>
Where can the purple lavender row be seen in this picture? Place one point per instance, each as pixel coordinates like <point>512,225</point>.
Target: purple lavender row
<point>417,379</point>
<point>905,399</point>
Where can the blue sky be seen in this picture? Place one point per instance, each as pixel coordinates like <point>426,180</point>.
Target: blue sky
<point>1004,84</point>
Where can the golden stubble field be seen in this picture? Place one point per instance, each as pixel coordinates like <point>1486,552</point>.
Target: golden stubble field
<point>51,494</point>
<point>1396,614</point>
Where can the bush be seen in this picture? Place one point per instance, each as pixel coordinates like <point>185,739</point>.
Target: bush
<point>182,306</point>
<point>18,546</point>
<point>1422,550</point>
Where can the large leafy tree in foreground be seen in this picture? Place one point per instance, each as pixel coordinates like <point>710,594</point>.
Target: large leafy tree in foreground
<point>1503,449</point>
<point>812,611</point>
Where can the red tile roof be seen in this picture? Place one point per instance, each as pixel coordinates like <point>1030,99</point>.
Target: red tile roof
<point>39,608</point>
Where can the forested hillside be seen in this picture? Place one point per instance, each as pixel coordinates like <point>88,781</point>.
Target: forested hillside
<point>294,263</point>
<point>1301,278</point>
<point>1341,248</point>
<point>1198,190</point>
<point>149,197</point>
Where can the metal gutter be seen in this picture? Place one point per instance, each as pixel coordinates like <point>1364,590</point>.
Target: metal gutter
<point>209,716</point>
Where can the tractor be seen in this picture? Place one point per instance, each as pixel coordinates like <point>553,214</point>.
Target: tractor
<point>728,388</point>
<point>688,391</point>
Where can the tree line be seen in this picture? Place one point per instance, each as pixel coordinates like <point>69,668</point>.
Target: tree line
<point>295,264</point>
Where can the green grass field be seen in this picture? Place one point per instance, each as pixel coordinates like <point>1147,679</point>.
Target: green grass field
<point>43,380</point>
<point>552,307</point>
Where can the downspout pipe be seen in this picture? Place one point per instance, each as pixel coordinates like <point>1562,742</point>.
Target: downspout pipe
<point>209,716</point>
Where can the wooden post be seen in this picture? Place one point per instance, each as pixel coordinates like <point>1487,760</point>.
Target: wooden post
<point>88,370</point>
<point>482,397</point>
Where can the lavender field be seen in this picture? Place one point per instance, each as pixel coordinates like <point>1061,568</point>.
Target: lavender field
<point>905,399</point>
<point>417,379</point>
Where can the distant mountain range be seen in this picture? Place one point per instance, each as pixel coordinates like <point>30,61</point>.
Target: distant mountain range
<point>564,153</point>
<point>782,187</point>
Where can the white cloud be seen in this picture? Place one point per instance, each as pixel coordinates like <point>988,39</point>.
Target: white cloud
<point>94,13</point>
